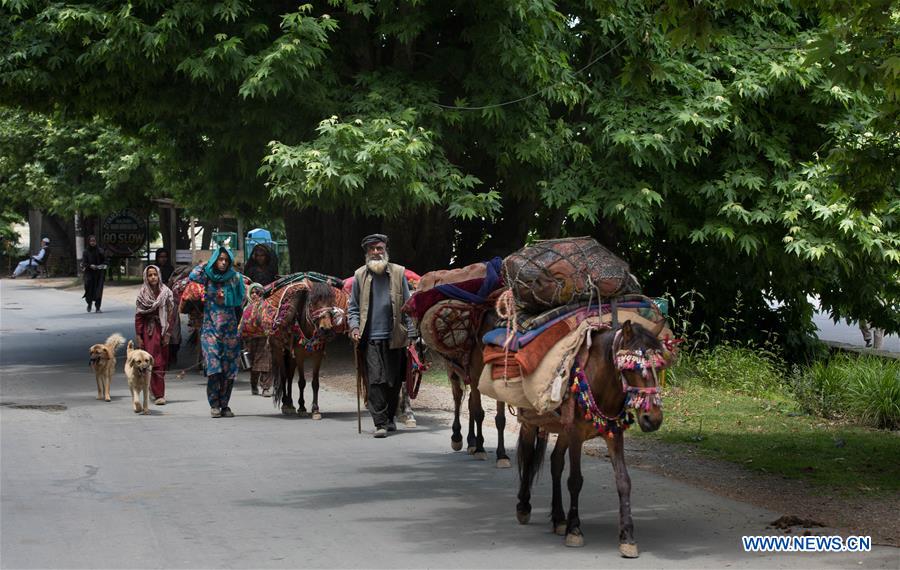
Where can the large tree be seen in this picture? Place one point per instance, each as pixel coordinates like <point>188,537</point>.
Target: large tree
<point>703,141</point>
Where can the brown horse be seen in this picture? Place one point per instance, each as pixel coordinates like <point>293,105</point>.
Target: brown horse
<point>319,310</point>
<point>322,318</point>
<point>621,373</point>
<point>462,374</point>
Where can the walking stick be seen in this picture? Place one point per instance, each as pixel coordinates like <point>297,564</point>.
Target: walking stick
<point>358,381</point>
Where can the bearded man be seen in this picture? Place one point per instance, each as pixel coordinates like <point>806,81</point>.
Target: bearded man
<point>380,330</point>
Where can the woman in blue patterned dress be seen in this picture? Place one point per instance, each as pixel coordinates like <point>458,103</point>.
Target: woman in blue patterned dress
<point>219,337</point>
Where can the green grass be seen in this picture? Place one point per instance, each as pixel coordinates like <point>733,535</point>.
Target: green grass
<point>436,375</point>
<point>773,436</point>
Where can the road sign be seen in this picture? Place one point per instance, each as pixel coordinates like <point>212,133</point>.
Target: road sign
<point>123,233</point>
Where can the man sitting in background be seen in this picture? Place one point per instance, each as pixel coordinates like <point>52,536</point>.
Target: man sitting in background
<point>33,261</point>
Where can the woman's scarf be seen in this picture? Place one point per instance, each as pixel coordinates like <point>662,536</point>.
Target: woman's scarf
<point>230,282</point>
<point>262,274</point>
<point>160,302</point>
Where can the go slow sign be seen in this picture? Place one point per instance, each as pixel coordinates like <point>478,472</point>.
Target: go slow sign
<point>124,233</point>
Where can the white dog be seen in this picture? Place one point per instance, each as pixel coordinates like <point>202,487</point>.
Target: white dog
<point>138,367</point>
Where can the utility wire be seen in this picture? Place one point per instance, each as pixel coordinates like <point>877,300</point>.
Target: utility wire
<point>536,93</point>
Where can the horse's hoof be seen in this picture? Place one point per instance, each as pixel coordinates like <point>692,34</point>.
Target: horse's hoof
<point>523,518</point>
<point>559,529</point>
<point>480,455</point>
<point>287,410</point>
<point>574,540</point>
<point>301,412</point>
<point>504,463</point>
<point>470,450</point>
<point>455,445</point>
<point>316,416</point>
<point>629,550</point>
<point>410,423</point>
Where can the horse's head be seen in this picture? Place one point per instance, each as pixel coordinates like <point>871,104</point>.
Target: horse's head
<point>639,356</point>
<point>321,313</point>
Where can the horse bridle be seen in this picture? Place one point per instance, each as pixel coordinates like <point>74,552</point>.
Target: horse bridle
<point>337,315</point>
<point>647,362</point>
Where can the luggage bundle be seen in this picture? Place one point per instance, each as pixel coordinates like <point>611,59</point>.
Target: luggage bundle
<point>449,306</point>
<point>562,290</point>
<point>553,273</point>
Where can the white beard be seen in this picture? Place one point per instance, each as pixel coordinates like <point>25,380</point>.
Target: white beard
<point>377,266</point>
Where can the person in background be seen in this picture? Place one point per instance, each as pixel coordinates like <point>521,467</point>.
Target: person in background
<point>873,336</point>
<point>260,356</point>
<point>262,267</point>
<point>154,312</point>
<point>164,262</point>
<point>166,268</point>
<point>219,339</point>
<point>380,330</point>
<point>33,260</point>
<point>93,263</point>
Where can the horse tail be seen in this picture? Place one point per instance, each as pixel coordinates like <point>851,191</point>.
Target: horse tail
<point>282,372</point>
<point>530,453</point>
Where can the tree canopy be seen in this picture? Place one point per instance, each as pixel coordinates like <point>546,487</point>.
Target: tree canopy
<point>721,147</point>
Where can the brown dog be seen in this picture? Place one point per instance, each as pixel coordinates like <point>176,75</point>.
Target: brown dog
<point>103,361</point>
<point>138,366</point>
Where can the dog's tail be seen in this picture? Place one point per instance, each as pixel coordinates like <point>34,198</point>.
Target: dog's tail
<point>114,341</point>
<point>130,345</point>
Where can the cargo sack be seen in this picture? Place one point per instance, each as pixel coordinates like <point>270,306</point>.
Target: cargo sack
<point>451,327</point>
<point>552,273</point>
<point>450,276</point>
<point>510,391</point>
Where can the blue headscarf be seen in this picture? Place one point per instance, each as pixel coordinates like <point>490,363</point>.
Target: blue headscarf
<point>230,281</point>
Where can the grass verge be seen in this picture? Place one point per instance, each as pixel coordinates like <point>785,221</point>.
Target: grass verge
<point>773,436</point>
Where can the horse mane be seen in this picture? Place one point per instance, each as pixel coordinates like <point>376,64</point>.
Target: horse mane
<point>320,294</point>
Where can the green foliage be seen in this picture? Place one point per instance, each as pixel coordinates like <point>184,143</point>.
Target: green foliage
<point>864,390</point>
<point>740,369</point>
<point>720,146</point>
<point>65,167</point>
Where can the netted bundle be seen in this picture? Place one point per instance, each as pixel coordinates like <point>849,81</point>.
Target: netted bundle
<point>552,273</point>
<point>451,327</point>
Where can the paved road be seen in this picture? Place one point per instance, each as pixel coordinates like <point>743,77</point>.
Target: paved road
<point>90,484</point>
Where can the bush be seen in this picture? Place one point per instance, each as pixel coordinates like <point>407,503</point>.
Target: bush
<point>864,389</point>
<point>751,371</point>
<point>874,394</point>
<point>822,389</point>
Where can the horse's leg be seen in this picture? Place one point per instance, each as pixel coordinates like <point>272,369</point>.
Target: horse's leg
<point>301,383</point>
<point>476,418</point>
<point>529,456</point>
<point>557,464</point>
<point>500,419</point>
<point>406,411</point>
<point>456,436</point>
<point>286,379</point>
<point>318,356</point>
<point>573,527</point>
<point>616,447</point>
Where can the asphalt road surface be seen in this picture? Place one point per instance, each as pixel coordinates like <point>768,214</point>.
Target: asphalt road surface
<point>89,484</point>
